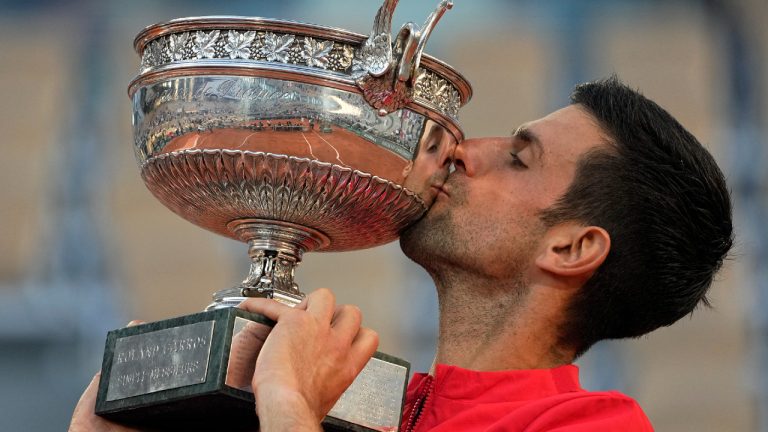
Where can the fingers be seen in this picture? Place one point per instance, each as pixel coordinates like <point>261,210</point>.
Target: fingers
<point>88,398</point>
<point>267,307</point>
<point>245,348</point>
<point>363,346</point>
<point>346,322</point>
<point>319,303</point>
<point>83,414</point>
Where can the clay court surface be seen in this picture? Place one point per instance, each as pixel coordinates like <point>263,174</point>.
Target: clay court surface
<point>339,146</point>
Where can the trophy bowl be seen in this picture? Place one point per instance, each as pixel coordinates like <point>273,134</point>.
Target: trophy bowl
<point>289,137</point>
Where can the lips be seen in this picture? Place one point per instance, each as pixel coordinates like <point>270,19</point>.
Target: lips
<point>440,190</point>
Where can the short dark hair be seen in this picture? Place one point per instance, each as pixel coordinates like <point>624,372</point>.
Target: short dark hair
<point>665,204</point>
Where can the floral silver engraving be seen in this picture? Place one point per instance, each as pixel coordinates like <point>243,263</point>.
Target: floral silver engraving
<point>156,51</point>
<point>342,57</point>
<point>146,61</point>
<point>239,44</point>
<point>205,44</point>
<point>437,91</point>
<point>315,52</point>
<point>275,47</point>
<point>358,63</point>
<point>177,45</point>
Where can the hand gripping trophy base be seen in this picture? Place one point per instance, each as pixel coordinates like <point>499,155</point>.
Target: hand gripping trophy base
<point>187,368</point>
<point>192,373</point>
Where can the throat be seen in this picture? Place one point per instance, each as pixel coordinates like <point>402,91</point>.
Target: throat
<point>495,327</point>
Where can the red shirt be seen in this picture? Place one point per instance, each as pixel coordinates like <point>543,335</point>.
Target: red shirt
<point>457,399</point>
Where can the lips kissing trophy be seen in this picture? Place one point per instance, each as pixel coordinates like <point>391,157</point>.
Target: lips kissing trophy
<point>291,138</point>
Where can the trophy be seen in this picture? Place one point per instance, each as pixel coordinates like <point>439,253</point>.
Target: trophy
<point>292,138</point>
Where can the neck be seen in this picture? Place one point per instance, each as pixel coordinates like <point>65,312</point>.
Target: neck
<point>497,325</point>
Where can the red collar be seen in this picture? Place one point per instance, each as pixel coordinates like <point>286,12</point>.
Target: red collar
<point>453,382</point>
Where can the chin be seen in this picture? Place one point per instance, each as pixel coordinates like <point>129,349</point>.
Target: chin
<point>428,238</point>
<point>429,199</point>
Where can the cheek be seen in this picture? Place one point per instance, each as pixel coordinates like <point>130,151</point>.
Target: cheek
<point>536,196</point>
<point>502,245</point>
<point>555,185</point>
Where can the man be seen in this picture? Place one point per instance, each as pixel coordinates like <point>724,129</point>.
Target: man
<point>605,219</point>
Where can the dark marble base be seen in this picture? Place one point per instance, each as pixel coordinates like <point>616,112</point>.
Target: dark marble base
<point>172,375</point>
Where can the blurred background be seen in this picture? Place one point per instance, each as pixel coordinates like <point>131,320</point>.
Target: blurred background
<point>86,248</point>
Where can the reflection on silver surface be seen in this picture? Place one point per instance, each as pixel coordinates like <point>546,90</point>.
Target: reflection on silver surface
<point>255,109</point>
<point>293,137</point>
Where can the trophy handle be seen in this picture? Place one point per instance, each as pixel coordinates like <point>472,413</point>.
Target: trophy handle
<point>376,52</point>
<point>416,41</point>
<point>383,88</point>
<point>275,248</point>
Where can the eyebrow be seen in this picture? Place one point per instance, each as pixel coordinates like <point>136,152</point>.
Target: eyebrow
<point>523,133</point>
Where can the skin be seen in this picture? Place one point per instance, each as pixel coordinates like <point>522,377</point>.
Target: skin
<point>503,278</point>
<point>84,419</point>
<point>311,356</point>
<point>426,174</point>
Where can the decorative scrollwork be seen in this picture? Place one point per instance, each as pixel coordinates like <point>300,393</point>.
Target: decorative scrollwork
<point>205,44</point>
<point>239,44</point>
<point>436,90</point>
<point>328,55</point>
<point>315,52</point>
<point>213,187</point>
<point>275,47</point>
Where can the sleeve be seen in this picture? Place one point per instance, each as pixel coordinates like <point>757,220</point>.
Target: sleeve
<point>593,413</point>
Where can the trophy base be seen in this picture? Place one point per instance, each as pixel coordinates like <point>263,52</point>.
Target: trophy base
<point>193,372</point>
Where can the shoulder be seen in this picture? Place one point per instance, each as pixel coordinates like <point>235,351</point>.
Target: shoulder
<point>592,411</point>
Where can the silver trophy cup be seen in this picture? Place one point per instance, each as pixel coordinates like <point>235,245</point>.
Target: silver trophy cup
<point>291,138</point>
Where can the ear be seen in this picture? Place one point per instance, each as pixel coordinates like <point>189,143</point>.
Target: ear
<point>574,250</point>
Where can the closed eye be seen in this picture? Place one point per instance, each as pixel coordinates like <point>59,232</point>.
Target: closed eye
<point>517,162</point>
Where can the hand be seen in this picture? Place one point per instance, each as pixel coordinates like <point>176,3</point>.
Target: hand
<point>84,418</point>
<point>311,356</point>
<point>245,348</point>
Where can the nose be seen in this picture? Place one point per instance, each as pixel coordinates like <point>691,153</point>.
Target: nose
<point>465,158</point>
<point>447,156</point>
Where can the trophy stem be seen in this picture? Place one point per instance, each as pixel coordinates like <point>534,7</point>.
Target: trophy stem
<point>275,248</point>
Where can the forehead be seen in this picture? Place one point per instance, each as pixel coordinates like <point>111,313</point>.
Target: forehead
<point>568,133</point>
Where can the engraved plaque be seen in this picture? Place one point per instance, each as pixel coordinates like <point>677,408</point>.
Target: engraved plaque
<point>160,360</point>
<point>375,398</point>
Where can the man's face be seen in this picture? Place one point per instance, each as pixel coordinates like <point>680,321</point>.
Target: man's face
<point>485,220</point>
<point>429,169</point>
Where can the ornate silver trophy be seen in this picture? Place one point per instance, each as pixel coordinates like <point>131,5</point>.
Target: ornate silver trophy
<point>292,138</point>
